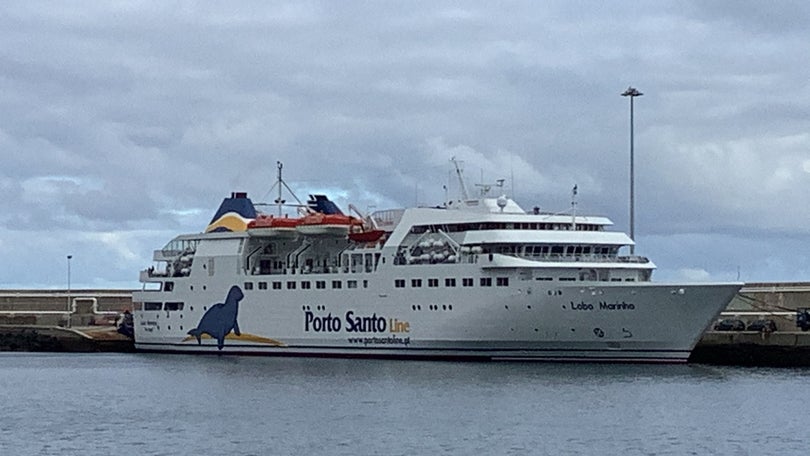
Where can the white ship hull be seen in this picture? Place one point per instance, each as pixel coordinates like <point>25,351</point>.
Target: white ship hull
<point>639,322</point>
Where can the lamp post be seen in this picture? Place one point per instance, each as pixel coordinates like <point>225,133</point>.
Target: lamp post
<point>69,257</point>
<point>632,93</point>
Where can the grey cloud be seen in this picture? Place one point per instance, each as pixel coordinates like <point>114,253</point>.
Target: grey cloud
<point>143,116</point>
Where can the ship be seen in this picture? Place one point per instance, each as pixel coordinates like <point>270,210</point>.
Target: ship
<point>473,278</point>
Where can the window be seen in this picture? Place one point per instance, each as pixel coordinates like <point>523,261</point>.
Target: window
<point>320,284</point>
<point>277,285</point>
<point>449,282</point>
<point>168,286</point>
<point>262,285</point>
<point>337,284</point>
<point>305,285</point>
<point>291,285</point>
<point>152,306</point>
<point>173,306</point>
<point>502,281</point>
<point>486,281</point>
<point>416,283</point>
<point>433,283</point>
<point>248,285</point>
<point>467,282</point>
<point>351,284</point>
<point>399,283</point>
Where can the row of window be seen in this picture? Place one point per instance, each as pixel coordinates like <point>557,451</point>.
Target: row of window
<point>451,282</point>
<point>458,227</point>
<point>306,284</point>
<point>172,306</point>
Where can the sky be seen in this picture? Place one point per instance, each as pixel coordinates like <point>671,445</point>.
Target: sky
<point>125,123</point>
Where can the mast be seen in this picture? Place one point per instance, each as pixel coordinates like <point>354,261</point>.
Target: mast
<point>464,194</point>
<point>574,208</point>
<point>279,201</point>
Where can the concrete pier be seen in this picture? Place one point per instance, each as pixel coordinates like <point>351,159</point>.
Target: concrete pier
<point>786,346</point>
<point>55,320</point>
<point>84,320</point>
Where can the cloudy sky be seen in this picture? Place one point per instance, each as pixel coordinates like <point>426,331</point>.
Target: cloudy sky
<point>125,123</point>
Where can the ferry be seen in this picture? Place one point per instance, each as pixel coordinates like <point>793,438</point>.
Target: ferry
<point>476,278</point>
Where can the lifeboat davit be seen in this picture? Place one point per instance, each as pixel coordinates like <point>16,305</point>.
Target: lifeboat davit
<point>327,224</point>
<point>268,225</point>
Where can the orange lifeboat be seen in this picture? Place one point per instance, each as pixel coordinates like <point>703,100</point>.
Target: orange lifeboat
<point>363,237</point>
<point>319,224</point>
<point>269,225</point>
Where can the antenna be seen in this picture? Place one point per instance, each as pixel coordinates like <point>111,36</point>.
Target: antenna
<point>574,208</point>
<point>512,177</point>
<point>464,194</point>
<point>279,200</point>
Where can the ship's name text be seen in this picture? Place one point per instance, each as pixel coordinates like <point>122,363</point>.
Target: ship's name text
<point>602,305</point>
<point>352,323</point>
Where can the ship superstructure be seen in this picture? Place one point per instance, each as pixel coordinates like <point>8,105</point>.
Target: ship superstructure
<point>473,278</point>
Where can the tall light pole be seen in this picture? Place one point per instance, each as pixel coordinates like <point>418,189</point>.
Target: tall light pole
<point>69,257</point>
<point>632,93</point>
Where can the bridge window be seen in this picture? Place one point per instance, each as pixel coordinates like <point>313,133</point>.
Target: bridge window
<point>152,306</point>
<point>173,306</point>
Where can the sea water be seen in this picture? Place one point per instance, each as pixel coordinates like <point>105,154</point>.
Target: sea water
<point>139,404</point>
